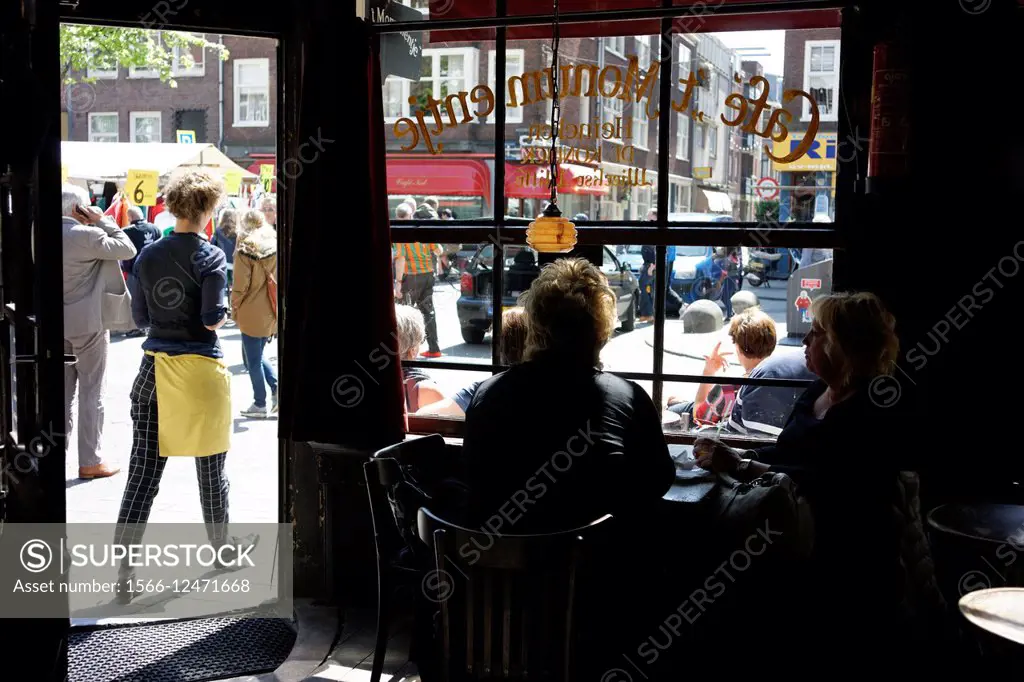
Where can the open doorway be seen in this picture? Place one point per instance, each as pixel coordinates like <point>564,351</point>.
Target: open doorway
<point>142,108</point>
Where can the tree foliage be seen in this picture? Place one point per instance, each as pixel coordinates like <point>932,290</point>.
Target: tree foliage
<point>104,47</point>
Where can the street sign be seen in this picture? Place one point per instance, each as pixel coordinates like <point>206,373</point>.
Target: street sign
<point>702,172</point>
<point>141,187</point>
<point>186,136</point>
<point>767,188</point>
<point>807,283</point>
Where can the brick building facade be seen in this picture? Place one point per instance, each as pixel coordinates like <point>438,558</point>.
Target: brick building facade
<point>230,103</point>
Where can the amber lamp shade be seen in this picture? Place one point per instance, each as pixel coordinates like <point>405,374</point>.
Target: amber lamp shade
<point>551,233</point>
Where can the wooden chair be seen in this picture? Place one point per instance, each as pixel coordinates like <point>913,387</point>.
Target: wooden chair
<point>399,479</point>
<point>508,604</point>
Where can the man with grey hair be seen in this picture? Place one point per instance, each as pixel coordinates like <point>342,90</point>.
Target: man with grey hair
<point>420,390</point>
<point>268,205</point>
<point>95,300</point>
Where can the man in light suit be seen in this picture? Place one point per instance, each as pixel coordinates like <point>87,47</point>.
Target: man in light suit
<point>95,301</point>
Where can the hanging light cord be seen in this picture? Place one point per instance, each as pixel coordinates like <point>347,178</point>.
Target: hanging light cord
<point>556,110</point>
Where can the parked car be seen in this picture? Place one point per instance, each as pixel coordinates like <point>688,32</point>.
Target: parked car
<point>689,257</point>
<point>475,305</point>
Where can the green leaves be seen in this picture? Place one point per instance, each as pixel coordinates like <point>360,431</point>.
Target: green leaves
<point>106,47</point>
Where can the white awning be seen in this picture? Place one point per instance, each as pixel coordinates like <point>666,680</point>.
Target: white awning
<point>113,160</point>
<point>718,202</point>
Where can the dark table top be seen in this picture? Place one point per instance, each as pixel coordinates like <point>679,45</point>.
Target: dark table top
<point>692,483</point>
<point>992,522</point>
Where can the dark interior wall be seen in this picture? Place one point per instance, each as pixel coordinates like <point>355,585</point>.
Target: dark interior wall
<point>932,244</point>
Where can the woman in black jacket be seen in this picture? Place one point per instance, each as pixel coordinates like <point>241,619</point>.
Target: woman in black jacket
<point>841,444</point>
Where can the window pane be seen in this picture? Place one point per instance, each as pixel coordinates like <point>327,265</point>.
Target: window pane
<point>103,124</point>
<point>713,282</point>
<point>147,129</point>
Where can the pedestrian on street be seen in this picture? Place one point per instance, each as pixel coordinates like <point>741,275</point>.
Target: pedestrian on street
<point>254,306</point>
<point>142,233</point>
<point>647,270</point>
<point>414,282</point>
<point>181,397</point>
<point>96,300</point>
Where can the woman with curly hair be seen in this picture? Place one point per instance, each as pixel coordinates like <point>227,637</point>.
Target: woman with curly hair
<point>181,398</point>
<point>585,443</point>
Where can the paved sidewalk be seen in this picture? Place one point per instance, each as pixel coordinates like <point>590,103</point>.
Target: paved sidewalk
<point>251,465</point>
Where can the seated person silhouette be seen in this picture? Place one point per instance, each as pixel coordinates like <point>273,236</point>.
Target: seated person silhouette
<point>522,272</point>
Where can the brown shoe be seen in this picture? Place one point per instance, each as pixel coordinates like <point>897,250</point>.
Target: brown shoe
<point>99,471</point>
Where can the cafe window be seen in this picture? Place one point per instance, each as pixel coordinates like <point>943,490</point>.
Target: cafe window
<point>611,171</point>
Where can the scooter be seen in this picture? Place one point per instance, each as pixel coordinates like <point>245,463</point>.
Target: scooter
<point>756,271</point>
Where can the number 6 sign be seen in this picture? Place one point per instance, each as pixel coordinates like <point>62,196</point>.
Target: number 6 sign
<point>141,187</point>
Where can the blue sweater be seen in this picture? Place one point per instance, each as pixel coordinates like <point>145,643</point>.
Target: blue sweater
<point>182,279</point>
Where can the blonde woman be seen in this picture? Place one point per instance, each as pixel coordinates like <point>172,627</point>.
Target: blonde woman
<point>254,306</point>
<point>181,398</point>
<point>841,444</point>
<point>583,442</point>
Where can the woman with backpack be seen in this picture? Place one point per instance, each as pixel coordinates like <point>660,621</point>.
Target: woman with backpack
<point>254,305</point>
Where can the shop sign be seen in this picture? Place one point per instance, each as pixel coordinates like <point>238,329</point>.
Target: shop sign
<point>612,81</point>
<point>820,156</point>
<point>400,53</point>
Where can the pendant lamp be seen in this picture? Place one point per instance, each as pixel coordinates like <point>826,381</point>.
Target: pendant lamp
<point>551,232</point>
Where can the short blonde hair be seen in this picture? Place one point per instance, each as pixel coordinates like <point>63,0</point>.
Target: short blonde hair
<point>194,195</point>
<point>250,220</point>
<point>753,332</point>
<point>860,335</point>
<point>571,310</point>
<point>410,329</point>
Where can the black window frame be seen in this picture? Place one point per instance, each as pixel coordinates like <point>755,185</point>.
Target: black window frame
<point>500,230</point>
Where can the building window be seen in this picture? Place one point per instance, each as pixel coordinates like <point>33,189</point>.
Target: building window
<point>252,92</point>
<point>611,110</point>
<point>197,56</point>
<point>444,72</point>
<point>682,136</point>
<point>422,5</point>
<point>821,78</point>
<point>514,66</point>
<point>616,45</point>
<point>640,123</point>
<point>103,127</point>
<point>145,126</point>
<point>102,68</point>
<point>133,72</point>
<point>713,142</point>
<point>643,52</point>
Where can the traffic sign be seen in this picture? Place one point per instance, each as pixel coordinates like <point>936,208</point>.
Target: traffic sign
<point>767,188</point>
<point>186,136</point>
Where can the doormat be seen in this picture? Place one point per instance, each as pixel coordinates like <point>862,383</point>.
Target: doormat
<point>184,651</point>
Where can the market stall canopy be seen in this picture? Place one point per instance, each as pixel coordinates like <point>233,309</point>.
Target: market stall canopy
<point>113,160</point>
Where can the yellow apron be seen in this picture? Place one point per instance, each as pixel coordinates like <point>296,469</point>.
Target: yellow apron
<point>193,394</point>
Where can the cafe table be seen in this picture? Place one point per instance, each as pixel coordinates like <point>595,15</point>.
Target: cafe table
<point>998,610</point>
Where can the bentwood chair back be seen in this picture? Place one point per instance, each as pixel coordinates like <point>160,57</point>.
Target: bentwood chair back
<point>508,605</point>
<point>399,479</point>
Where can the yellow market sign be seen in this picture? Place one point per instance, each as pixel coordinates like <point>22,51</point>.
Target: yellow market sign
<point>820,156</point>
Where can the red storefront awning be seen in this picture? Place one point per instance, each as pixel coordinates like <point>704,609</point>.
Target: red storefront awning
<point>530,180</point>
<point>444,177</point>
<point>691,19</point>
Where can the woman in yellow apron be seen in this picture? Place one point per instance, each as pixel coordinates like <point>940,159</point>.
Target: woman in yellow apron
<point>181,398</point>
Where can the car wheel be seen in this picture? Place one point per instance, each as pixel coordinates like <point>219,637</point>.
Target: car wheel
<point>473,335</point>
<point>629,324</point>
